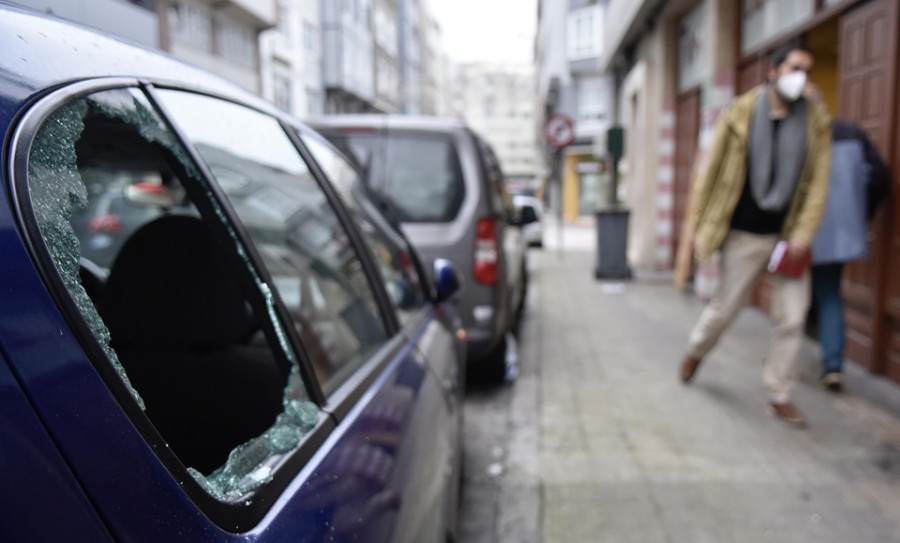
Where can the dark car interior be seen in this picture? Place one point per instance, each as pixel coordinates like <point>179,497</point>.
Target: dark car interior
<point>179,320</point>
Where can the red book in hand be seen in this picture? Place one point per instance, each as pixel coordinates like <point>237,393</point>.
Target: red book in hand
<point>782,263</point>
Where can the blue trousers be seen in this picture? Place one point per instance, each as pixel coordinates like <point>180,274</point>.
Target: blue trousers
<point>826,286</point>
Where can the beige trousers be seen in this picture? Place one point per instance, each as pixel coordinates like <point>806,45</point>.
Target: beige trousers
<point>744,257</point>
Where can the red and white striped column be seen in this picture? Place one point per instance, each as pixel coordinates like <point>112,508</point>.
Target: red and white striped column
<point>665,189</point>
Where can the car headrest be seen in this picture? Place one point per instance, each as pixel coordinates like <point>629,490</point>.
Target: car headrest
<point>171,285</point>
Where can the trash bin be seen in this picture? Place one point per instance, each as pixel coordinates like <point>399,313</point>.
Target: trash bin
<point>612,244</point>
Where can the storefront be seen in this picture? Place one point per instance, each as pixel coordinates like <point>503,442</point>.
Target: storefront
<point>585,182</point>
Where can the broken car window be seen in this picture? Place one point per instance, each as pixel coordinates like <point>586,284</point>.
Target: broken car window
<point>167,290</point>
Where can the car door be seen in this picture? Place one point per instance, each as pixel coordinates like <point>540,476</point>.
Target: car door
<point>28,495</point>
<point>240,370</point>
<point>432,329</point>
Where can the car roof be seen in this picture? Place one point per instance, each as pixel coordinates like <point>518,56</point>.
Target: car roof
<point>41,51</point>
<point>388,121</point>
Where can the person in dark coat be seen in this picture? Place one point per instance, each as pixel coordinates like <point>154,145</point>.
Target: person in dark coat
<point>858,182</point>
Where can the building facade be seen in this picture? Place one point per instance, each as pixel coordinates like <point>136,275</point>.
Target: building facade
<point>348,56</point>
<point>135,21</point>
<point>677,64</point>
<point>410,56</point>
<point>432,64</point>
<point>387,56</point>
<point>291,59</point>
<point>568,47</point>
<point>222,36</point>
<point>498,103</point>
<point>309,57</point>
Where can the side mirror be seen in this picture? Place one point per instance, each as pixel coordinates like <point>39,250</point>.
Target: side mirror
<point>528,215</point>
<point>446,280</point>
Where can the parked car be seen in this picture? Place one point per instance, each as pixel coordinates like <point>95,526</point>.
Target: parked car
<point>254,353</point>
<point>531,212</point>
<point>444,184</point>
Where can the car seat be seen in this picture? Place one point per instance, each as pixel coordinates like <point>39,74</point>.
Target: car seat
<point>179,322</point>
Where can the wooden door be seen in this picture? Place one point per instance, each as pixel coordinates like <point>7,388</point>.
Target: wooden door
<point>868,56</point>
<point>687,133</point>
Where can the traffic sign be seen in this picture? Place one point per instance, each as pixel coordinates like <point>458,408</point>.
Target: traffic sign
<point>559,130</point>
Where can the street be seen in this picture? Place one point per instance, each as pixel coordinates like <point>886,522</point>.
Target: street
<point>598,440</point>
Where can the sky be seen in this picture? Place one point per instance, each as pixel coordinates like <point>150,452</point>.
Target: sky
<point>487,30</point>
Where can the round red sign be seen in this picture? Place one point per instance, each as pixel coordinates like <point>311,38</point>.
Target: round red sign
<point>559,130</point>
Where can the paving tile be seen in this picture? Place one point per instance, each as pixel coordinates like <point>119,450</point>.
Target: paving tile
<point>605,444</point>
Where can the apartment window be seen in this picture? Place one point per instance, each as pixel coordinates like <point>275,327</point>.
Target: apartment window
<point>593,94</point>
<point>585,33</point>
<point>488,107</point>
<point>236,42</point>
<point>386,78</point>
<point>282,86</point>
<point>284,24</point>
<point>310,37</point>
<point>191,24</point>
<point>314,104</point>
<point>386,31</point>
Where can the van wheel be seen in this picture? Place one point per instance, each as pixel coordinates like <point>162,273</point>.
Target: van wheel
<point>493,367</point>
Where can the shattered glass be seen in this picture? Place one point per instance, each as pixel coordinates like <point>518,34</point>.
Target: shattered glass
<point>57,189</point>
<point>134,109</point>
<point>251,464</point>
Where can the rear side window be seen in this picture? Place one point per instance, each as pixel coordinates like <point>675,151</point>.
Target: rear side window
<point>155,271</point>
<point>419,173</point>
<point>501,202</point>
<point>394,259</point>
<point>316,269</point>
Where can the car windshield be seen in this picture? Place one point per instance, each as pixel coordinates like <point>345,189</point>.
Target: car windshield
<point>420,174</point>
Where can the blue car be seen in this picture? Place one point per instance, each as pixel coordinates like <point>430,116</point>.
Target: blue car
<point>208,331</point>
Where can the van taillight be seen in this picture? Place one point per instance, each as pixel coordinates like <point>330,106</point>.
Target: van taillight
<point>486,251</point>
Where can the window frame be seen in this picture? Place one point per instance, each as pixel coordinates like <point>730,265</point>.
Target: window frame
<point>492,172</point>
<point>424,279</point>
<point>348,393</point>
<point>247,512</point>
<point>378,166</point>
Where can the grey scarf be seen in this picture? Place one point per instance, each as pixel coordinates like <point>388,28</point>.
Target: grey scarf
<point>774,167</point>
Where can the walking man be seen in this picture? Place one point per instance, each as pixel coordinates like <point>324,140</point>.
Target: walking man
<point>766,180</point>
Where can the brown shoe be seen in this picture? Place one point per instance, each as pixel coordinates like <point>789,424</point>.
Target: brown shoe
<point>788,413</point>
<point>689,367</point>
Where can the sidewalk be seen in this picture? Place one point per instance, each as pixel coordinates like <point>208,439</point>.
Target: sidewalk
<point>575,237</point>
<point>607,445</point>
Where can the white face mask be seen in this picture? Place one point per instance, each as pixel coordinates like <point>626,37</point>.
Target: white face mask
<point>790,86</point>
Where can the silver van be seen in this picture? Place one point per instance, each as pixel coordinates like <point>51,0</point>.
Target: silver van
<point>445,186</point>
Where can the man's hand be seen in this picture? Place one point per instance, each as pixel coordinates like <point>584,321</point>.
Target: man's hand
<point>797,249</point>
